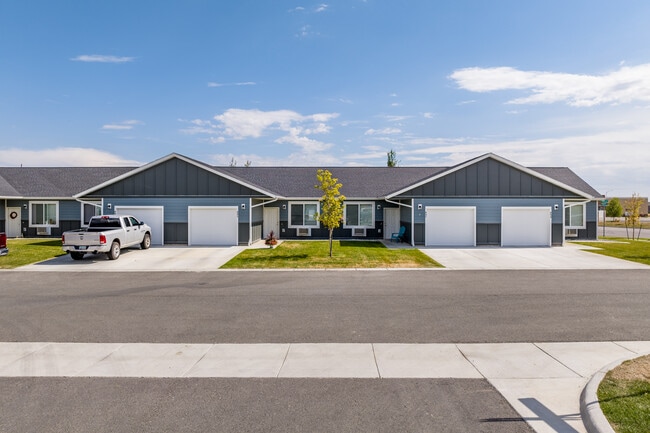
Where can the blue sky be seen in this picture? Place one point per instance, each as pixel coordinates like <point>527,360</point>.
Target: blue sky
<point>543,83</point>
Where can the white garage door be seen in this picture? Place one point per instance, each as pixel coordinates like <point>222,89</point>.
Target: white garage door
<point>153,216</point>
<point>450,226</point>
<point>210,225</point>
<point>526,226</point>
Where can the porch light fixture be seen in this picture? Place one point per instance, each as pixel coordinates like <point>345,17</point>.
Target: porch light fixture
<point>378,206</point>
<point>419,206</point>
<point>243,205</point>
<point>284,207</point>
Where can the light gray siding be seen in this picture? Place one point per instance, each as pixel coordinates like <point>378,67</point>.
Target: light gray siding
<point>176,213</point>
<point>488,210</point>
<point>176,207</point>
<point>488,216</point>
<point>69,210</point>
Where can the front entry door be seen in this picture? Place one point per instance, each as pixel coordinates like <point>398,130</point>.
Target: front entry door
<point>391,221</point>
<point>13,218</point>
<point>271,222</point>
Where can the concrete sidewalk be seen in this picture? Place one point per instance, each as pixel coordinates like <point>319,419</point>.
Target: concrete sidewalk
<point>542,381</point>
<point>570,256</point>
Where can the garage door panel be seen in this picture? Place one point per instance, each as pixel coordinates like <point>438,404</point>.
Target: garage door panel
<point>450,226</point>
<point>153,216</point>
<point>213,226</point>
<point>526,227</point>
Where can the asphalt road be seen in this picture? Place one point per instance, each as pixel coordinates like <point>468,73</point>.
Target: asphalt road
<point>332,306</point>
<point>323,307</point>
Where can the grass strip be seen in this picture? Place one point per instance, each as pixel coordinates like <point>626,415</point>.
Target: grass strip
<point>315,255</point>
<point>26,251</point>
<point>621,248</point>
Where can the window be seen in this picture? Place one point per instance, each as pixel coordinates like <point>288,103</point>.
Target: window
<point>360,215</point>
<point>89,210</point>
<point>574,216</point>
<point>43,214</point>
<point>303,214</point>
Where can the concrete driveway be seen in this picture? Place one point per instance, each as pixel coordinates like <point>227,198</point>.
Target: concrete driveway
<point>202,259</point>
<point>168,258</point>
<point>570,256</point>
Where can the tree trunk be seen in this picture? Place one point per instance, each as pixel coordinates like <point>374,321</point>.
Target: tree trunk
<point>331,232</point>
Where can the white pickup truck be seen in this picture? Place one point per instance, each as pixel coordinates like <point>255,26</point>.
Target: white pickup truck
<point>107,234</point>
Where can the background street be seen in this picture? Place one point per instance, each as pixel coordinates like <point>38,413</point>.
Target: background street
<point>299,307</point>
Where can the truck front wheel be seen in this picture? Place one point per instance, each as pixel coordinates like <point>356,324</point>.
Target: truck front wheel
<point>114,253</point>
<point>77,256</point>
<point>146,241</point>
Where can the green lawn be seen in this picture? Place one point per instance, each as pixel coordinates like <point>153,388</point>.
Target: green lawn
<point>626,249</point>
<point>625,399</point>
<point>25,251</point>
<point>315,254</point>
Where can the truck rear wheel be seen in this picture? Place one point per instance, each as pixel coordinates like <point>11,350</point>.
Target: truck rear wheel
<point>77,256</point>
<point>146,241</point>
<point>114,253</point>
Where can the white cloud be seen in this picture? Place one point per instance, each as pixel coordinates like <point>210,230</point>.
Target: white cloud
<point>608,150</point>
<point>243,83</point>
<point>321,8</point>
<point>122,126</point>
<point>99,58</point>
<point>293,127</point>
<point>63,157</point>
<point>428,115</point>
<point>383,131</point>
<point>396,118</point>
<point>628,84</point>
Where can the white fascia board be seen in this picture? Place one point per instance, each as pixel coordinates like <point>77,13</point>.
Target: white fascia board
<point>165,159</point>
<point>502,160</point>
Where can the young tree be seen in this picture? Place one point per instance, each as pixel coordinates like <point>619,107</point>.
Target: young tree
<point>331,203</point>
<point>614,208</point>
<point>632,212</point>
<point>392,159</point>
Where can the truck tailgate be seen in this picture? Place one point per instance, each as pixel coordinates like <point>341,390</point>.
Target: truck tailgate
<point>83,239</point>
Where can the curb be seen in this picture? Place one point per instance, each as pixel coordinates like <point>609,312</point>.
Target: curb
<point>590,412</point>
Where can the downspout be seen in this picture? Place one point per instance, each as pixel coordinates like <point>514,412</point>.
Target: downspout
<point>250,221</point>
<point>265,202</point>
<point>412,216</point>
<point>250,217</point>
<point>564,206</point>
<point>100,206</point>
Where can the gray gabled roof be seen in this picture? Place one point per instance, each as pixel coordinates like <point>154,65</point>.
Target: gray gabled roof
<point>358,182</point>
<point>52,182</point>
<point>566,176</point>
<point>282,182</point>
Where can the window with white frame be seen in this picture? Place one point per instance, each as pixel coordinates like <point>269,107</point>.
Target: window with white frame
<point>43,214</point>
<point>574,216</point>
<point>303,214</point>
<point>359,215</point>
<point>89,210</point>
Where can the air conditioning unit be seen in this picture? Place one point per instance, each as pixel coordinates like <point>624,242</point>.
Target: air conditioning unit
<point>571,233</point>
<point>303,231</point>
<point>359,232</point>
<point>43,231</point>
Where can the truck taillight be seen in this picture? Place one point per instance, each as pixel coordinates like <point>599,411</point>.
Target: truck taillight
<point>63,239</point>
<point>102,239</point>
